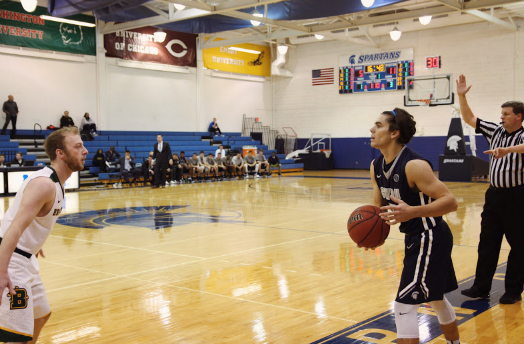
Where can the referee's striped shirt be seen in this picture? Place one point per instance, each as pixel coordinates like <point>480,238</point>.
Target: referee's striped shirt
<point>508,171</point>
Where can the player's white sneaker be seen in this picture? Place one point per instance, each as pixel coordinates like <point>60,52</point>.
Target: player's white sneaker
<point>257,176</point>
<point>115,185</point>
<point>246,177</point>
<point>173,182</point>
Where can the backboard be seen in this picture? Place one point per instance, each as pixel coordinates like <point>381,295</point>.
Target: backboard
<point>429,90</point>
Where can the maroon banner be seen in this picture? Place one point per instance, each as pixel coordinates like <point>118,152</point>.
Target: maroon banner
<point>177,49</point>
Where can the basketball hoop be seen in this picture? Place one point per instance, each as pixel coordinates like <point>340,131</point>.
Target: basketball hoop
<point>327,152</point>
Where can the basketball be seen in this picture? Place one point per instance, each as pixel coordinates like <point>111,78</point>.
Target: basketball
<point>366,228</point>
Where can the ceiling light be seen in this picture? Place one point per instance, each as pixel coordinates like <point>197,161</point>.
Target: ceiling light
<point>282,49</point>
<point>179,7</point>
<point>425,20</point>
<point>69,21</point>
<point>160,36</point>
<point>29,5</point>
<point>245,50</point>
<point>317,36</point>
<point>256,14</point>
<point>395,34</point>
<point>367,3</point>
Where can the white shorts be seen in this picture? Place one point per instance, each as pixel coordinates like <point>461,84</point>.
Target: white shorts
<point>17,315</point>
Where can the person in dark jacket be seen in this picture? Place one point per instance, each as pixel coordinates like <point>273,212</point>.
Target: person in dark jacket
<point>66,121</point>
<point>99,160</point>
<point>111,157</point>
<point>128,166</point>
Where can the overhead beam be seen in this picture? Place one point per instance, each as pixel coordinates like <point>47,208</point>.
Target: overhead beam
<point>433,11</point>
<point>157,10</point>
<point>152,21</point>
<point>493,19</point>
<point>451,3</point>
<point>196,10</point>
<point>253,38</point>
<point>365,31</point>
<point>279,23</point>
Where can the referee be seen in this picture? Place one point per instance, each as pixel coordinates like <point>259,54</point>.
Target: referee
<point>504,198</point>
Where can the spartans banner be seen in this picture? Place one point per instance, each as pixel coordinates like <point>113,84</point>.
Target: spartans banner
<point>23,29</point>
<point>177,49</point>
<point>242,58</point>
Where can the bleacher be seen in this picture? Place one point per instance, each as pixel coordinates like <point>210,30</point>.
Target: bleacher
<point>141,143</point>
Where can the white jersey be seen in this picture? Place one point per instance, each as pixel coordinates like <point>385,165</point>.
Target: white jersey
<point>35,235</point>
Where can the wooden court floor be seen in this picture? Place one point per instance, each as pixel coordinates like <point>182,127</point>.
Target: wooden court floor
<point>250,261</point>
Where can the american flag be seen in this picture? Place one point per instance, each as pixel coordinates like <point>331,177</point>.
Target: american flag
<point>324,76</point>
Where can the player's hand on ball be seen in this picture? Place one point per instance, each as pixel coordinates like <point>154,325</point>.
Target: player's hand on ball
<point>5,282</point>
<point>497,152</point>
<point>397,213</point>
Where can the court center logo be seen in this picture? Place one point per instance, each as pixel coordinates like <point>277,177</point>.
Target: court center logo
<point>154,218</point>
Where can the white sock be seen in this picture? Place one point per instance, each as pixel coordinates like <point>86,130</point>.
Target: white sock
<point>453,341</point>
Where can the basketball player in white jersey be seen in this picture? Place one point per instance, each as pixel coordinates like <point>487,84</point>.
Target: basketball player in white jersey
<point>24,308</point>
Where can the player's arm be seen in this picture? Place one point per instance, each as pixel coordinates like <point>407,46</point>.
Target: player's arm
<point>377,197</point>
<point>38,195</point>
<point>465,110</point>
<point>421,177</point>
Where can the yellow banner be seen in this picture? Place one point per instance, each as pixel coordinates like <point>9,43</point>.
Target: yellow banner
<point>228,59</point>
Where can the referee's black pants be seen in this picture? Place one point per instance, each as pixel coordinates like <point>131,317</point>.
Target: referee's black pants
<point>501,216</point>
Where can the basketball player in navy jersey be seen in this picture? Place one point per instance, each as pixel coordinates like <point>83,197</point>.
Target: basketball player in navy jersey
<point>408,193</point>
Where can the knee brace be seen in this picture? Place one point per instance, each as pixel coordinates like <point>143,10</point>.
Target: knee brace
<point>406,320</point>
<point>445,312</point>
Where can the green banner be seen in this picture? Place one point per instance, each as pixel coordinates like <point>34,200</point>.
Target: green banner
<point>23,29</point>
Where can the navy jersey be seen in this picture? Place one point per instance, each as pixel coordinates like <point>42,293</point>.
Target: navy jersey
<point>394,182</point>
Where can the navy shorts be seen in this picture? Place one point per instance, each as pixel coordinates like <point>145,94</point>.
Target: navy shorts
<point>428,269</point>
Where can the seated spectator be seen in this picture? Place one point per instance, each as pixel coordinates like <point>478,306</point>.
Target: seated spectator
<point>175,170</point>
<point>251,165</point>
<point>202,163</point>
<point>111,157</point>
<point>274,161</point>
<point>148,171</point>
<point>213,128</point>
<point>238,164</point>
<point>2,161</point>
<point>99,160</point>
<point>230,167</point>
<point>127,167</point>
<point>66,121</point>
<point>212,167</point>
<point>88,125</point>
<point>196,170</point>
<point>221,168</point>
<point>221,151</point>
<point>263,165</point>
<point>185,164</point>
<point>18,161</point>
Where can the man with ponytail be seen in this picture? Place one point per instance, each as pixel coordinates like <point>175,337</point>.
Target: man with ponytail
<point>428,269</point>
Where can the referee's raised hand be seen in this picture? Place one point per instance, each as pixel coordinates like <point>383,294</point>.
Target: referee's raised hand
<point>497,152</point>
<point>462,87</point>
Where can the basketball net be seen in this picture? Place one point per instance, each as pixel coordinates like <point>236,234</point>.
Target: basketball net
<point>423,102</point>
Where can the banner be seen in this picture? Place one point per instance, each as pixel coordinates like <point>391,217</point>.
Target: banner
<point>177,49</point>
<point>23,29</point>
<point>257,62</point>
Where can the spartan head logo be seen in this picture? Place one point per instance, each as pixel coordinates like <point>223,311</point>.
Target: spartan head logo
<point>71,34</point>
<point>453,142</point>
<point>414,295</point>
<point>352,59</point>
